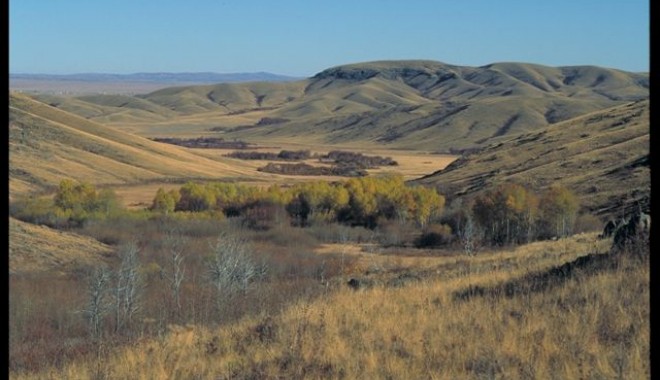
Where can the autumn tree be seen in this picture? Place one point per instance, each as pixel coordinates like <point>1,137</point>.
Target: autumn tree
<point>165,201</point>
<point>506,214</point>
<point>79,200</point>
<point>428,204</point>
<point>195,197</point>
<point>558,212</point>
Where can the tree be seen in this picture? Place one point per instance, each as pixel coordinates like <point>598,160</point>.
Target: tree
<point>128,287</point>
<point>506,213</point>
<point>231,267</point>
<point>468,235</point>
<point>98,300</point>
<point>428,204</point>
<point>195,197</point>
<point>558,212</point>
<point>106,201</point>
<point>75,196</point>
<point>175,272</point>
<point>164,201</point>
<point>66,196</point>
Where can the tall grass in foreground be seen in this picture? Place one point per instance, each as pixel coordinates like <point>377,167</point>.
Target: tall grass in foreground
<point>594,325</point>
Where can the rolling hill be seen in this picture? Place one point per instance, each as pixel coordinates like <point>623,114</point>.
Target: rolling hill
<point>41,249</point>
<point>47,144</point>
<point>415,105</point>
<point>602,156</point>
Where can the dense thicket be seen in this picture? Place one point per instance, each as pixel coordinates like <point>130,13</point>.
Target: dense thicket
<point>358,201</point>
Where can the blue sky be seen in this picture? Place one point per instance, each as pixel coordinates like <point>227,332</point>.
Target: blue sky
<point>303,37</point>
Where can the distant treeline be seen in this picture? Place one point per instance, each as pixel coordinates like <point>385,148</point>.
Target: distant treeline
<point>335,157</point>
<point>342,170</point>
<point>344,163</point>
<point>358,159</point>
<point>206,142</point>
<point>284,155</point>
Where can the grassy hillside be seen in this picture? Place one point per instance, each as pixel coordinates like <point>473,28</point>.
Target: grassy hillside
<point>42,249</point>
<point>47,144</point>
<point>576,327</point>
<point>404,104</point>
<point>602,156</point>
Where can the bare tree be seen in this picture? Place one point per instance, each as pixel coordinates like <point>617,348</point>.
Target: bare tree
<point>468,235</point>
<point>128,286</point>
<point>98,304</point>
<point>175,273</point>
<point>232,268</point>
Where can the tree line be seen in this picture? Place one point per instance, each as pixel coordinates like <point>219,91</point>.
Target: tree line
<point>504,215</point>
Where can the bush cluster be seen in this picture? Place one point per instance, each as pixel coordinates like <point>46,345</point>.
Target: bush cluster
<point>284,155</point>
<point>358,201</point>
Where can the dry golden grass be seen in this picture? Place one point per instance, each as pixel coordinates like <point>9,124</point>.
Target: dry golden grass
<point>596,325</point>
<point>405,104</point>
<point>42,249</point>
<point>602,157</point>
<point>47,145</point>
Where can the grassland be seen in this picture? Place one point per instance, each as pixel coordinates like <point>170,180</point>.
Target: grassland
<point>419,313</point>
<point>41,249</point>
<point>603,156</point>
<point>592,324</point>
<point>48,144</point>
<point>423,105</point>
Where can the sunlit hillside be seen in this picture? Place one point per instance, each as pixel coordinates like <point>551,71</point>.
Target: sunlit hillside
<point>603,156</point>
<point>47,144</point>
<point>424,105</point>
<point>41,249</point>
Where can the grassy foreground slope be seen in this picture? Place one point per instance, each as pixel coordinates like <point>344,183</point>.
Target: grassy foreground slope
<point>47,144</point>
<point>602,156</point>
<point>425,105</point>
<point>42,249</point>
<point>593,323</point>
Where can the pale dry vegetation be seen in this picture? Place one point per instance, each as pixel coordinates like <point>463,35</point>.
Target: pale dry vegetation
<point>594,324</point>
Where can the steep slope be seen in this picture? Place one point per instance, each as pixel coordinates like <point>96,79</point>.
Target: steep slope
<point>47,145</point>
<point>602,156</point>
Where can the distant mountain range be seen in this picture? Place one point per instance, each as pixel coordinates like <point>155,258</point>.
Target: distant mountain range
<point>206,77</point>
<point>138,83</point>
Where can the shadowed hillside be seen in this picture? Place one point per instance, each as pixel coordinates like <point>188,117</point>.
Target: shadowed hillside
<point>603,156</point>
<point>406,104</point>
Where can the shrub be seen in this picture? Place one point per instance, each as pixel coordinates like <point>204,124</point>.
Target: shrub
<point>435,235</point>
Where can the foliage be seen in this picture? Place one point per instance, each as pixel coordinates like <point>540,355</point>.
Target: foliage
<point>558,210</point>
<point>195,197</point>
<point>165,201</point>
<point>506,214</point>
<point>358,201</point>
<point>73,204</point>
